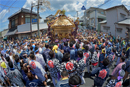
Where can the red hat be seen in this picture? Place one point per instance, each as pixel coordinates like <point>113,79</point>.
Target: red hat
<point>50,63</point>
<point>69,66</point>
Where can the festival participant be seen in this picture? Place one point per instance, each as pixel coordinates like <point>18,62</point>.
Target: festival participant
<point>15,76</point>
<point>58,54</point>
<point>52,65</point>
<point>68,65</point>
<point>77,48</point>
<point>33,82</point>
<point>3,73</point>
<point>65,80</point>
<point>118,67</point>
<point>39,58</point>
<point>118,81</point>
<point>82,61</point>
<point>46,53</point>
<point>66,47</point>
<point>72,51</point>
<point>95,59</point>
<point>87,55</point>
<point>74,81</point>
<point>38,69</point>
<point>101,73</point>
<point>101,57</point>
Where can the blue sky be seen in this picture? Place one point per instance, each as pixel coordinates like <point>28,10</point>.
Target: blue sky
<point>71,6</point>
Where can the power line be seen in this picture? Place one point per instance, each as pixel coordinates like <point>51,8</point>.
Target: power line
<point>9,6</point>
<point>5,4</point>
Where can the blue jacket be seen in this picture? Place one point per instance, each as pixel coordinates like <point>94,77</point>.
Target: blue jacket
<point>66,49</point>
<point>101,58</point>
<point>72,54</point>
<point>59,56</point>
<point>34,83</point>
<point>76,53</point>
<point>100,77</point>
<point>46,54</point>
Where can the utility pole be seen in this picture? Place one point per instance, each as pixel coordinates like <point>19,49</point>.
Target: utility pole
<point>96,18</point>
<point>38,19</point>
<point>77,14</point>
<point>31,19</point>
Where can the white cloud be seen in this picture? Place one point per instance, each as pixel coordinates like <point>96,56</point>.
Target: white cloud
<point>5,19</point>
<point>28,4</point>
<point>94,3</point>
<point>3,13</point>
<point>126,2</point>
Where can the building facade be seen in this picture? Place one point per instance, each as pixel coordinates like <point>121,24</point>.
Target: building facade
<point>19,22</point>
<point>93,16</point>
<point>117,21</point>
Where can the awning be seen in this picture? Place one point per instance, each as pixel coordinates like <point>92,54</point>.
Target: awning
<point>126,21</point>
<point>103,22</point>
<point>11,32</point>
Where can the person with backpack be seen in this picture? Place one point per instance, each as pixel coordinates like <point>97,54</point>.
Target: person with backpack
<point>53,65</point>
<point>102,74</point>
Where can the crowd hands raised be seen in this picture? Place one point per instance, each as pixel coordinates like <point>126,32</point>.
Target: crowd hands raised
<point>36,62</point>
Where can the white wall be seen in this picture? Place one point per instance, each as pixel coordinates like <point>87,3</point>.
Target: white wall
<point>120,10</point>
<point>122,34</point>
<point>111,19</point>
<point>26,27</point>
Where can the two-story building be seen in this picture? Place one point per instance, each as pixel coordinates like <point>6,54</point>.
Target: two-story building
<point>117,21</point>
<point>19,24</point>
<point>90,18</point>
<point>49,18</point>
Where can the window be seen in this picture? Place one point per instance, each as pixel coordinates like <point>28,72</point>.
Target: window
<point>100,19</point>
<point>106,28</point>
<point>27,20</point>
<point>13,23</point>
<point>123,16</point>
<point>102,12</point>
<point>92,21</point>
<point>119,30</point>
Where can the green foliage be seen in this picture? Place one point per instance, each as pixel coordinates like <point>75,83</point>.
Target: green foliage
<point>81,24</point>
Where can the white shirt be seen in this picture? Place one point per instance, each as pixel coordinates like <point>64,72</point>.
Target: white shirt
<point>39,71</point>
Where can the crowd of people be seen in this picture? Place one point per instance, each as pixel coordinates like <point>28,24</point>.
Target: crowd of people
<point>35,62</point>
